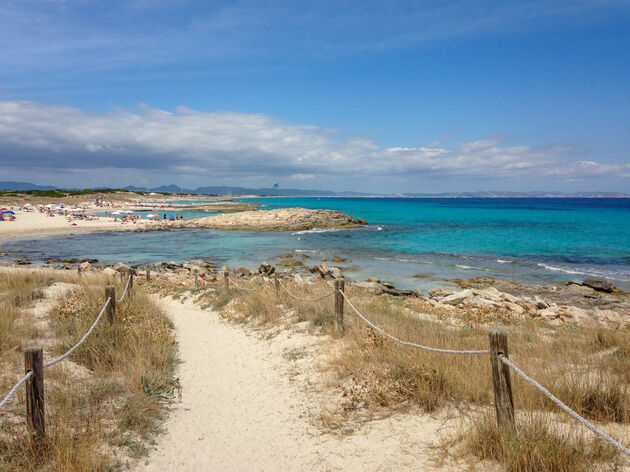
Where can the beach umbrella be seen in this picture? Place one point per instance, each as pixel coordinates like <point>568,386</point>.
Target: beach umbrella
<point>7,212</point>
<point>2,209</point>
<point>117,212</point>
<point>128,211</point>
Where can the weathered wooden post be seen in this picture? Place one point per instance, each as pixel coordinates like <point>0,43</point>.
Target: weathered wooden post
<point>226,281</point>
<point>276,284</point>
<point>503,403</point>
<point>340,286</point>
<point>131,271</point>
<point>110,292</point>
<point>148,275</point>
<point>35,411</point>
<point>196,280</point>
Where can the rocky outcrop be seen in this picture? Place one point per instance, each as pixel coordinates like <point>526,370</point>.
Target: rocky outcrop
<point>524,306</point>
<point>266,269</point>
<point>286,219</point>
<point>599,284</point>
<point>241,272</point>
<point>122,268</point>
<point>326,272</point>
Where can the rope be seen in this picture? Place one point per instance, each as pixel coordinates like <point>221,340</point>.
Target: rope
<point>14,389</point>
<point>73,348</point>
<point>124,291</point>
<point>565,408</point>
<point>244,288</point>
<point>407,343</point>
<point>305,299</point>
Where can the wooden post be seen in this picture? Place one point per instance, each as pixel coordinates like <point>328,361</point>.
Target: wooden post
<point>110,292</point>
<point>130,281</point>
<point>148,275</point>
<point>503,403</point>
<point>35,412</point>
<point>196,280</point>
<point>340,286</point>
<point>226,281</point>
<point>276,284</point>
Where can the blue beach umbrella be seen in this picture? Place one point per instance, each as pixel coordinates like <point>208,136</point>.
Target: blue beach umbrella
<point>8,212</point>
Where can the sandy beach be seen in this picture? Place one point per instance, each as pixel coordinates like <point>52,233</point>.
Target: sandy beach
<point>35,223</point>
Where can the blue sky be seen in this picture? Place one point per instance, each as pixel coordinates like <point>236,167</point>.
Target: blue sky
<point>368,96</point>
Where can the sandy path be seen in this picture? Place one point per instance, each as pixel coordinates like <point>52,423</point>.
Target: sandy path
<point>240,411</point>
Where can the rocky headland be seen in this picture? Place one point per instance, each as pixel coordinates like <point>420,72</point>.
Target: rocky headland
<point>285,219</point>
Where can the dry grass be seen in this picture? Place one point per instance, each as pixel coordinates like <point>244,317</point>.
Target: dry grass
<point>586,368</point>
<point>538,446</point>
<point>105,402</point>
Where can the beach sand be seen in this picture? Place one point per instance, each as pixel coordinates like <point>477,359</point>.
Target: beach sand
<point>36,223</point>
<point>245,407</point>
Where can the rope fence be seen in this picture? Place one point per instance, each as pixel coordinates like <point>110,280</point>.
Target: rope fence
<point>33,359</point>
<point>565,408</point>
<point>85,336</point>
<point>122,297</point>
<point>240,287</point>
<point>498,351</point>
<point>308,300</point>
<point>15,389</point>
<point>408,343</point>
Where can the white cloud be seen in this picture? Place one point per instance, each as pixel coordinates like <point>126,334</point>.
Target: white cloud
<point>205,145</point>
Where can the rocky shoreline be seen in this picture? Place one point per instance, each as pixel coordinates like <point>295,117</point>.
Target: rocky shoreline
<point>590,303</point>
<point>285,219</point>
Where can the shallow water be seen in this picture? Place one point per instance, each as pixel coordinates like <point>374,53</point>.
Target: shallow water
<point>533,240</point>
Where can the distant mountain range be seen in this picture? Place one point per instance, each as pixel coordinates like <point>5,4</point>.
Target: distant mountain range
<point>24,186</point>
<point>237,191</point>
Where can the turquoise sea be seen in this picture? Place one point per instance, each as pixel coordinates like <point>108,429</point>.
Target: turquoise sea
<point>533,240</point>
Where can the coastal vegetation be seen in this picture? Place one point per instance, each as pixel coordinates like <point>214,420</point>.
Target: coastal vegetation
<point>104,403</point>
<point>586,367</point>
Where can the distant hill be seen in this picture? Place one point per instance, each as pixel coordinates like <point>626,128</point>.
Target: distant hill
<point>518,195</point>
<point>237,191</point>
<point>24,186</point>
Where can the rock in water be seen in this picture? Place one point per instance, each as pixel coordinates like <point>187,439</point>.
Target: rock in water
<point>599,284</point>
